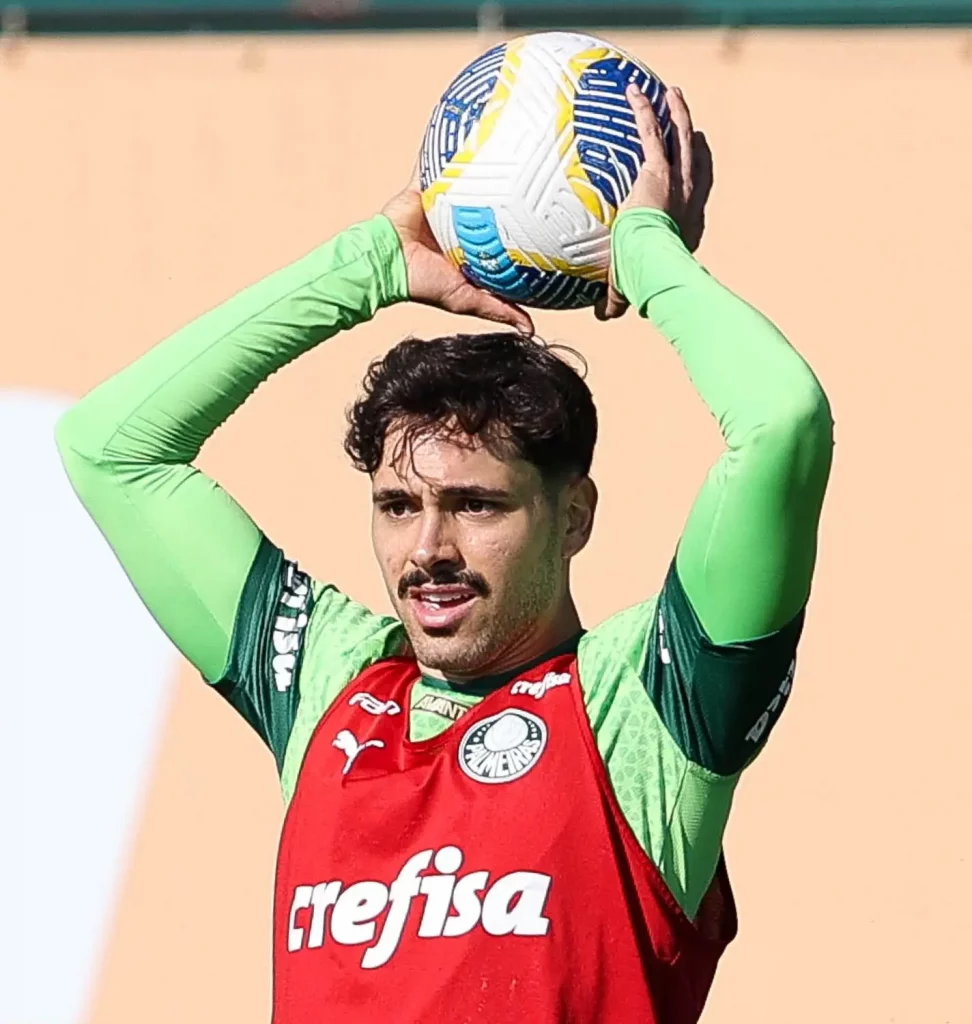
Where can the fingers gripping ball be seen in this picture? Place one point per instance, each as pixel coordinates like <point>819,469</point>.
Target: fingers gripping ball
<point>526,159</point>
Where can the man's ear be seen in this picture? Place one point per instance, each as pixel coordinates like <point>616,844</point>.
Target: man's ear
<point>580,506</point>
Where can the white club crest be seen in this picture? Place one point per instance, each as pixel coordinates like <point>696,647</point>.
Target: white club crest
<point>503,747</point>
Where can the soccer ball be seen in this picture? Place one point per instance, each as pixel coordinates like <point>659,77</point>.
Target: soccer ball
<point>525,160</point>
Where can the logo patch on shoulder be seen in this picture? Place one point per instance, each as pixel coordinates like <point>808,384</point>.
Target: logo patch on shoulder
<point>289,625</point>
<point>503,747</point>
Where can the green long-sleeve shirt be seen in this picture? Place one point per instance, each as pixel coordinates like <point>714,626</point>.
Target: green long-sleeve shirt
<point>681,690</point>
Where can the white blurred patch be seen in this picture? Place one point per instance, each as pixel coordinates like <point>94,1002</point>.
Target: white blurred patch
<point>84,680</point>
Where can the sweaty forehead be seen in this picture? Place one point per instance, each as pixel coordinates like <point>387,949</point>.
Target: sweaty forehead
<point>436,462</point>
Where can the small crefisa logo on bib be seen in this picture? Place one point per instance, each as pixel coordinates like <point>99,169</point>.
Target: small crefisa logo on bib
<point>503,747</point>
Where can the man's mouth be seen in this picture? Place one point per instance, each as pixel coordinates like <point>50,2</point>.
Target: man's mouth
<point>441,607</point>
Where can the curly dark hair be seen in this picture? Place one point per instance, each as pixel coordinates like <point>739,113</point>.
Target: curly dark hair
<point>513,394</point>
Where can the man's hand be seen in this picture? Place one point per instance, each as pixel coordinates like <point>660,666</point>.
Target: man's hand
<point>680,188</point>
<point>432,278</point>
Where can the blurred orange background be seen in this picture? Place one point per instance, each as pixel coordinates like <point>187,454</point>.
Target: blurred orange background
<point>146,180</point>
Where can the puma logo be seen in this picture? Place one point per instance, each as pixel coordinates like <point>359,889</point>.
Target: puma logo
<point>348,744</point>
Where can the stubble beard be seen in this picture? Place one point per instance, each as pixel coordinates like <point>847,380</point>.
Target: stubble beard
<point>474,647</point>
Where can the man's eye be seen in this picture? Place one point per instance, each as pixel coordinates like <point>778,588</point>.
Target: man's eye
<point>396,509</point>
<point>478,506</point>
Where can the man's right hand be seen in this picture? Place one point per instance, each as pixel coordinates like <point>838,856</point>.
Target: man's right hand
<point>679,188</point>
<point>432,278</point>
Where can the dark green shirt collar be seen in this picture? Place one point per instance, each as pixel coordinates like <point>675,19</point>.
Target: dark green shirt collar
<point>488,684</point>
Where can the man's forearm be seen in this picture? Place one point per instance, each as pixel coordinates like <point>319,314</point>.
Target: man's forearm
<point>128,445</point>
<point>747,553</point>
<point>164,406</point>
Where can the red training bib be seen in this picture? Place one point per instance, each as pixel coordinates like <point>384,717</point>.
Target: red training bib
<point>487,874</point>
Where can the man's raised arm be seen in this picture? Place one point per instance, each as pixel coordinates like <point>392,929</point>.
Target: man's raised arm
<point>128,446</point>
<point>746,556</point>
<point>709,665</point>
<point>718,661</point>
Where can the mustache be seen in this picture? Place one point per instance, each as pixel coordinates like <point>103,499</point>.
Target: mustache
<point>446,577</point>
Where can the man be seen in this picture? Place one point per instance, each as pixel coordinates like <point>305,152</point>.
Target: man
<point>493,814</point>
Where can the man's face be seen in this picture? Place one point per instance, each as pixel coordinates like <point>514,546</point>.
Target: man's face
<point>474,553</point>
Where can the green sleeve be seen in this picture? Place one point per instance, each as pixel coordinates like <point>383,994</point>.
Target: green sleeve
<point>296,644</point>
<point>676,718</point>
<point>747,553</point>
<point>682,691</point>
<point>128,446</point>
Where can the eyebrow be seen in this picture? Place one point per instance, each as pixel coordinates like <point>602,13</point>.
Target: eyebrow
<point>455,491</point>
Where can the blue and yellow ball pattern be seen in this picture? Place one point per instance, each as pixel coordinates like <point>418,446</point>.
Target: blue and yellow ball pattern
<point>525,160</point>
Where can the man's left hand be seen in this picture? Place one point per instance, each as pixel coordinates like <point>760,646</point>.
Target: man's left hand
<point>679,188</point>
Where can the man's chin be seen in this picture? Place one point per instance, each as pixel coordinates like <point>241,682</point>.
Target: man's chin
<point>461,647</point>
<point>446,649</point>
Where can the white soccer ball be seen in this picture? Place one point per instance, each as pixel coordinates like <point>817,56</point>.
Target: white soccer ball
<point>525,160</point>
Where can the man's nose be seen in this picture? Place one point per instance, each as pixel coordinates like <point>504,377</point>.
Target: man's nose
<point>435,545</point>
